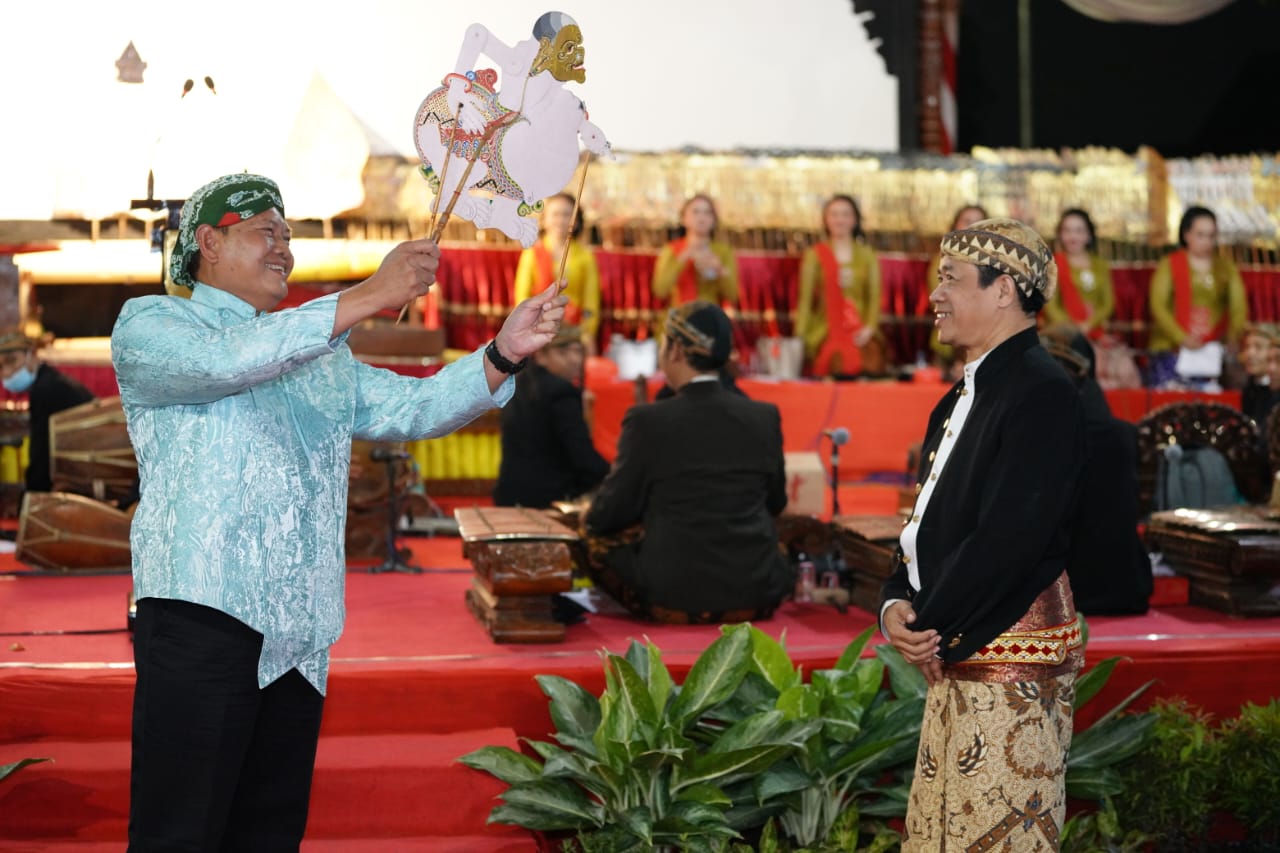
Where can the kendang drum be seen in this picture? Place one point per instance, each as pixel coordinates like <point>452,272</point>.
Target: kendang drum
<point>72,533</point>
<point>90,453</point>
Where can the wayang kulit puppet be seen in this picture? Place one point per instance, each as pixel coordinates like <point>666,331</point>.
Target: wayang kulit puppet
<point>495,143</point>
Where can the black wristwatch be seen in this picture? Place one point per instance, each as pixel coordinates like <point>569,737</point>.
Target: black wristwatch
<point>501,362</point>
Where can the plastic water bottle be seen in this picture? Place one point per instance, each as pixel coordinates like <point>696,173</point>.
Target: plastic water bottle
<point>806,578</point>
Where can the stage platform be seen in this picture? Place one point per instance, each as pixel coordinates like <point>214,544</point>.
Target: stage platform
<point>415,682</point>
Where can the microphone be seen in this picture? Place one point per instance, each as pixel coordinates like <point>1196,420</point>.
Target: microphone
<point>838,436</point>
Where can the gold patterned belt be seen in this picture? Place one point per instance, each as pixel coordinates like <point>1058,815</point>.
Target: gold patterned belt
<point>1044,646</point>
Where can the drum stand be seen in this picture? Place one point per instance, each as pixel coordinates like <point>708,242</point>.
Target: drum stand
<point>392,563</point>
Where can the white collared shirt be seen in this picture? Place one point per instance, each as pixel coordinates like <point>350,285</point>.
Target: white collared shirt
<point>951,427</point>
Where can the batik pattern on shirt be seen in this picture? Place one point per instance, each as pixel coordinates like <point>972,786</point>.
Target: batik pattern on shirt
<point>242,424</point>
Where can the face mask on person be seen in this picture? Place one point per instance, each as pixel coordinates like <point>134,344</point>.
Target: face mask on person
<point>20,381</point>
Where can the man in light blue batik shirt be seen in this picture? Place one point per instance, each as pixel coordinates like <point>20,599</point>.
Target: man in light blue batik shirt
<point>242,421</point>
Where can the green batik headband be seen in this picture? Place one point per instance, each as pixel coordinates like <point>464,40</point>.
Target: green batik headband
<point>221,202</point>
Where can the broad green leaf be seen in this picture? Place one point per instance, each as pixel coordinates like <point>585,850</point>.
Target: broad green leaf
<point>770,659</point>
<point>712,795</point>
<point>548,804</point>
<point>838,730</point>
<point>853,651</point>
<point>721,768</point>
<point>781,779</point>
<point>504,762</point>
<point>613,740</point>
<point>564,765</point>
<point>638,822</point>
<point>905,678</point>
<point>753,731</point>
<point>702,815</point>
<point>800,702</point>
<point>835,686</point>
<point>1106,744</point>
<point>797,732</point>
<point>574,711</point>
<point>638,656</point>
<point>893,716</point>
<point>635,694</point>
<point>747,815</point>
<point>1093,783</point>
<point>584,745</point>
<point>660,684</point>
<point>754,694</point>
<point>889,802</point>
<point>10,769</point>
<point>651,760</point>
<point>714,676</point>
<point>544,749</point>
<point>868,676</point>
<point>690,836</point>
<point>896,719</point>
<point>1125,703</point>
<point>1089,683</point>
<point>862,758</point>
<point>615,839</point>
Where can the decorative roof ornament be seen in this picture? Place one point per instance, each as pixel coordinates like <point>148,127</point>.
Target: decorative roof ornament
<point>129,66</point>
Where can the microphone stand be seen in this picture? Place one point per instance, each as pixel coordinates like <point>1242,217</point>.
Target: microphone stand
<point>392,563</point>
<point>835,480</point>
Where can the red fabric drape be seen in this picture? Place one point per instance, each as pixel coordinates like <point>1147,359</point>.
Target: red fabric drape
<point>1071,300</point>
<point>843,319</point>
<point>1192,319</point>
<point>687,282</point>
<point>546,273</point>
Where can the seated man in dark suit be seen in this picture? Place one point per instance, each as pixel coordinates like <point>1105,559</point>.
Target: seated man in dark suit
<point>702,474</point>
<point>48,391</point>
<point>547,454</point>
<point>1108,565</point>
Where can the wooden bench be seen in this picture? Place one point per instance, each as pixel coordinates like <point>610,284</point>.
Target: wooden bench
<point>522,558</point>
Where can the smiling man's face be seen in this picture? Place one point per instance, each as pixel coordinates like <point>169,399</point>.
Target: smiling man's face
<point>252,259</point>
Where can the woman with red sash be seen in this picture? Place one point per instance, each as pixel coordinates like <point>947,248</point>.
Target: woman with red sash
<point>540,264</point>
<point>695,265</point>
<point>838,308</point>
<point>1197,295</point>
<point>1085,297</point>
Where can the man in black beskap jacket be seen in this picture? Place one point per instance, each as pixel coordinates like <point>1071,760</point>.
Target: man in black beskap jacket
<point>547,454</point>
<point>703,474</point>
<point>980,599</point>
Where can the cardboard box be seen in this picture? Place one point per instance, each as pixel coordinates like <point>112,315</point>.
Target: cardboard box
<point>806,484</point>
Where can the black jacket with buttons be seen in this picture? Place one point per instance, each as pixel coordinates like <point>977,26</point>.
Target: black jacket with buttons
<point>996,531</point>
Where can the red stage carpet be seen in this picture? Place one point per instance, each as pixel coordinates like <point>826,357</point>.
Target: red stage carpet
<point>415,682</point>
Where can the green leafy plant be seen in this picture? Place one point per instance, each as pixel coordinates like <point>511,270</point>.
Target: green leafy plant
<point>747,748</point>
<point>7,770</point>
<point>857,731</point>
<point>1250,770</point>
<point>1167,788</point>
<point>640,768</point>
<point>1100,832</point>
<point>1099,751</point>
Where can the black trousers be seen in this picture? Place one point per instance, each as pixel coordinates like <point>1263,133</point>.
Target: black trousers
<point>218,764</point>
